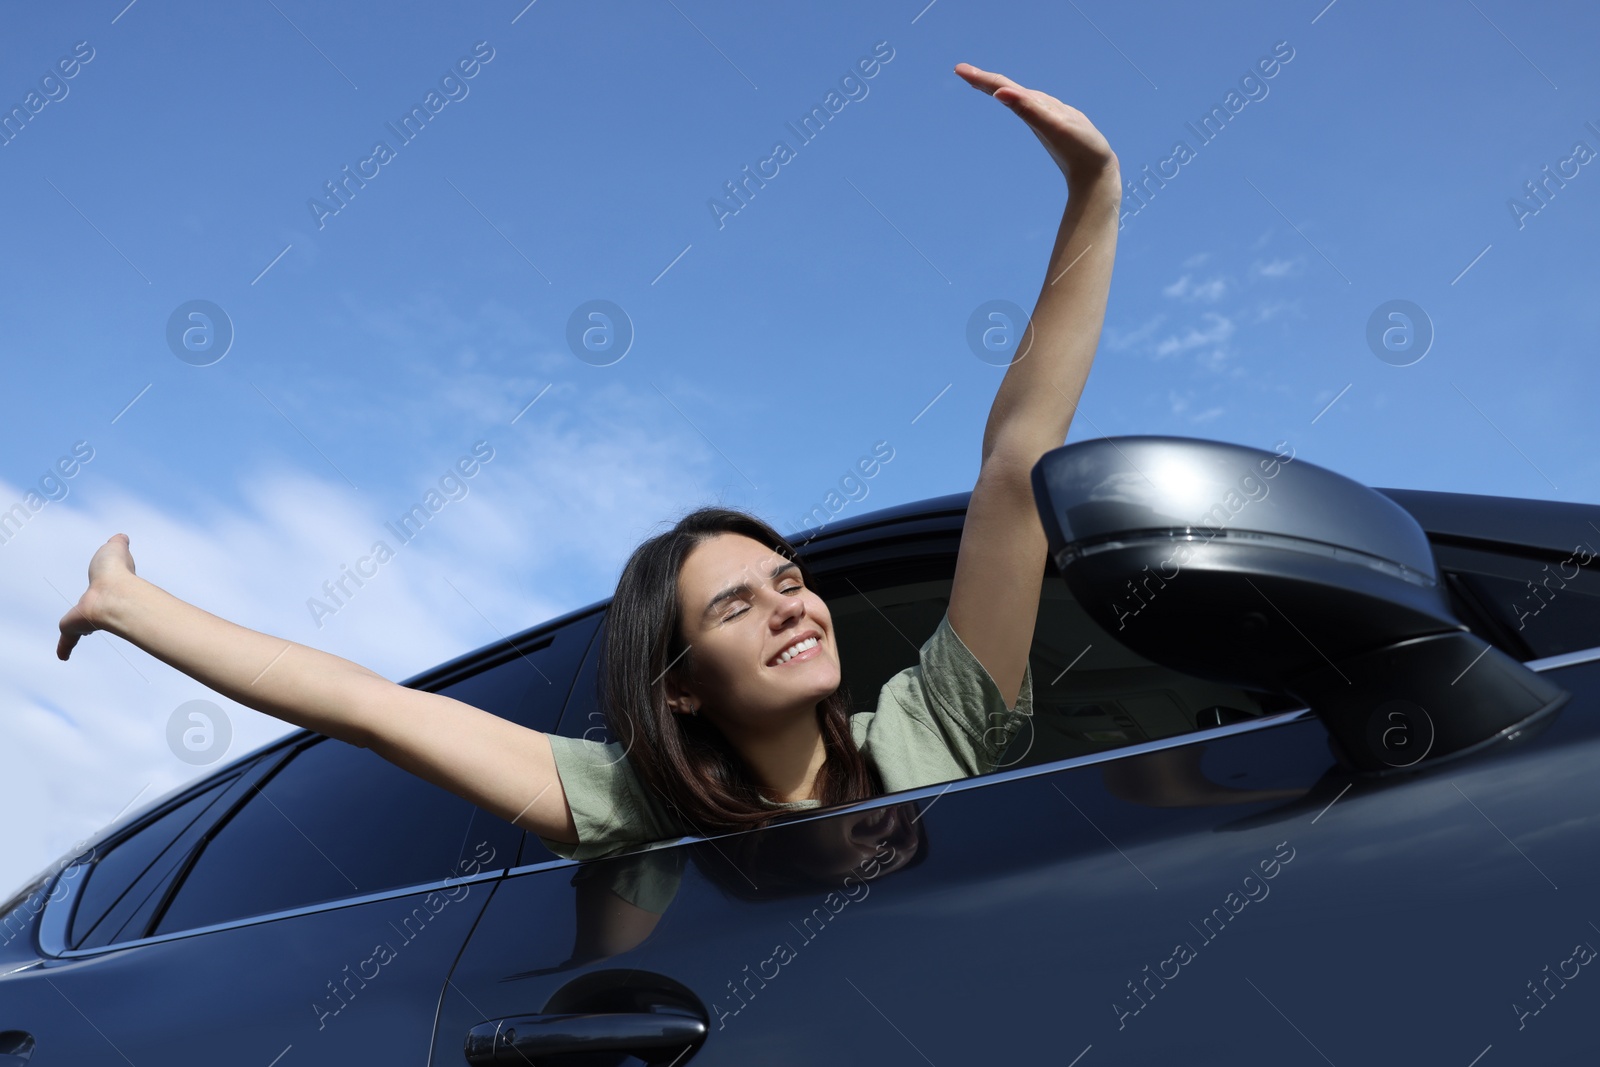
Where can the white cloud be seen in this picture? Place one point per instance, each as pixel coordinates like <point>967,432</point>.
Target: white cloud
<point>1120,340</point>
<point>1216,331</point>
<point>1209,291</point>
<point>1271,309</point>
<point>1180,404</point>
<point>543,529</point>
<point>1278,268</point>
<point>1195,260</point>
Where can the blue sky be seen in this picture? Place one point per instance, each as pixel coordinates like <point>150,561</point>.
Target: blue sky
<point>374,346</point>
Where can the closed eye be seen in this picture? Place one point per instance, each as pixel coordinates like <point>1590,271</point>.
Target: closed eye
<point>789,590</point>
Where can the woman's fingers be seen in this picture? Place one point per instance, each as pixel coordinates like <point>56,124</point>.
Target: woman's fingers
<point>109,562</point>
<point>73,626</point>
<point>1002,88</point>
<point>987,80</point>
<point>1071,140</point>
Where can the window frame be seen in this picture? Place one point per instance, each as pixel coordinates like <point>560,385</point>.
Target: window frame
<point>927,529</point>
<point>55,923</point>
<point>256,768</point>
<point>902,533</point>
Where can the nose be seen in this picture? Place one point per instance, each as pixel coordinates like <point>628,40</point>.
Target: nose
<point>788,607</point>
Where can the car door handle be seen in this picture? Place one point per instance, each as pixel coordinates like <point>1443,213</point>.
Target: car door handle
<point>521,1038</point>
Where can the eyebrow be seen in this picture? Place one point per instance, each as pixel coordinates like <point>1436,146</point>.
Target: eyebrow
<point>744,587</point>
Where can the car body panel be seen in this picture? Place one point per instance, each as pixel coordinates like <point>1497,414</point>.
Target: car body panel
<point>1030,912</point>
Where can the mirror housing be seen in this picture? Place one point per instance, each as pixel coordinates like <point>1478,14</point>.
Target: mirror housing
<point>1255,569</point>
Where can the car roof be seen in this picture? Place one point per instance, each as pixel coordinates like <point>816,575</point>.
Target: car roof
<point>1541,526</point>
<point>1538,526</point>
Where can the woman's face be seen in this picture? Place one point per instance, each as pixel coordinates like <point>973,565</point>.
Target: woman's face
<point>743,606</point>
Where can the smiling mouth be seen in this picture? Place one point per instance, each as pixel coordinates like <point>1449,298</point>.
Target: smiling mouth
<point>801,650</point>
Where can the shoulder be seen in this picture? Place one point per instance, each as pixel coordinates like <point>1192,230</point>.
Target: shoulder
<point>611,809</point>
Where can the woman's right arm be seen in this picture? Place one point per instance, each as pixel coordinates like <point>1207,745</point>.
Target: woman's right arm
<point>506,769</point>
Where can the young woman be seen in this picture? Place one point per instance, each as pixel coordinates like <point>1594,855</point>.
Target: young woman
<point>721,680</point>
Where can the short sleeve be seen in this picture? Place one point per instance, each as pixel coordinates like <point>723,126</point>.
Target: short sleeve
<point>941,719</point>
<point>610,808</point>
<point>648,880</point>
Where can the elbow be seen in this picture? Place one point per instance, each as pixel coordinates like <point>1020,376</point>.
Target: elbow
<point>1011,464</point>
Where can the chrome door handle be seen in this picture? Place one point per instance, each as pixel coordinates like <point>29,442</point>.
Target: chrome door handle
<point>521,1038</point>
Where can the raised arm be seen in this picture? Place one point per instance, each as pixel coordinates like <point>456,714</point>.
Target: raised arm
<point>496,764</point>
<point>994,600</point>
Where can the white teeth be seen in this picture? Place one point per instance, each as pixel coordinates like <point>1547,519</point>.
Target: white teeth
<point>797,648</point>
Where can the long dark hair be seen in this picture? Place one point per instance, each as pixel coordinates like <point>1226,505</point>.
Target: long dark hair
<point>684,760</point>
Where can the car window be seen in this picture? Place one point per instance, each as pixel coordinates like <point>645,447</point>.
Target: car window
<point>335,821</point>
<point>527,684</point>
<point>338,821</point>
<point>107,897</point>
<point>1530,606</point>
<point>1091,693</point>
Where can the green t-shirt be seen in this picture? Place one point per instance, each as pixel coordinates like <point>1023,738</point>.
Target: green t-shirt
<point>940,720</point>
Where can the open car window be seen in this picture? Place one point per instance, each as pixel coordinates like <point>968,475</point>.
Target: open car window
<point>1091,693</point>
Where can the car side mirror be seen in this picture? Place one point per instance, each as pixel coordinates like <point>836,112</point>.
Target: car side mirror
<point>1255,569</point>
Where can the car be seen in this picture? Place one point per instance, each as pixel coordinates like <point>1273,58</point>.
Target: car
<point>1311,777</point>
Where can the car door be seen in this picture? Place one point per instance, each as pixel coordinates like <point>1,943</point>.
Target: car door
<point>306,909</point>
<point>817,939</point>
<point>1159,872</point>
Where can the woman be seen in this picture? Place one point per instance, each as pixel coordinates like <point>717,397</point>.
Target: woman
<point>722,679</point>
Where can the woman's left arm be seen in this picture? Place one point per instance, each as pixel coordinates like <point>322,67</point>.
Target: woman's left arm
<point>994,600</point>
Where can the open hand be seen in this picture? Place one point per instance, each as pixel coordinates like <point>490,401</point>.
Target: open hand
<point>1080,150</point>
<point>110,564</point>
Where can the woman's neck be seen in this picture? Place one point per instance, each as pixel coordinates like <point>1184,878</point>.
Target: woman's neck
<point>786,761</point>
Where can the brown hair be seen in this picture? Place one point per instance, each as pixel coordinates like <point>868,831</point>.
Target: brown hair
<point>684,760</point>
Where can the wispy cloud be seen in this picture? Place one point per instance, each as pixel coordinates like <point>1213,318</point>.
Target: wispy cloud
<point>543,529</point>
<point>1185,289</point>
<point>1278,268</point>
<point>1271,309</point>
<point>1217,329</point>
<point>1180,403</point>
<point>1120,340</point>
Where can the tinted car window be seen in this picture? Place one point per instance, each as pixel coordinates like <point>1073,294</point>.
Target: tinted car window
<point>121,866</point>
<point>1529,606</point>
<point>1091,693</point>
<point>339,821</point>
<point>527,684</point>
<point>335,821</point>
